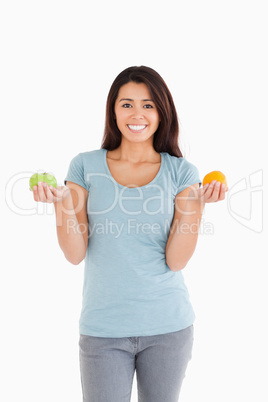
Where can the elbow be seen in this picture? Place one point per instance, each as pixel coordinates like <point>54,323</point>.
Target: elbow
<point>74,256</point>
<point>176,267</point>
<point>74,260</point>
<point>178,263</point>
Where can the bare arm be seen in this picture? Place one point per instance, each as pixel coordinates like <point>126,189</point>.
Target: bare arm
<point>183,236</point>
<point>72,223</point>
<point>71,217</point>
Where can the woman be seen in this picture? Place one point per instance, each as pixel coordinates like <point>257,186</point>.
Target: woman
<point>132,210</point>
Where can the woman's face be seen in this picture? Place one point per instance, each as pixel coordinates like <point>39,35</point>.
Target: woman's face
<point>136,114</point>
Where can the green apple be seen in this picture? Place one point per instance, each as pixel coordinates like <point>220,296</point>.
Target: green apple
<point>44,177</point>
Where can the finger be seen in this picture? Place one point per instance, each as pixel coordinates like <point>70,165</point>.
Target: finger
<point>201,192</point>
<point>222,192</point>
<point>204,189</point>
<point>48,194</point>
<point>41,193</point>
<point>56,193</point>
<point>35,193</point>
<point>216,192</point>
<point>210,189</point>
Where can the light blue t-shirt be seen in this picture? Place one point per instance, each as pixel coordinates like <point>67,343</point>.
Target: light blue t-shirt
<point>128,288</point>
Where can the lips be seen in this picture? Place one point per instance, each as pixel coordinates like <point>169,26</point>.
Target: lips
<point>136,127</point>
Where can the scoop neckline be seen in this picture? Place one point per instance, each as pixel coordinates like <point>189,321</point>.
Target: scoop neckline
<point>132,188</point>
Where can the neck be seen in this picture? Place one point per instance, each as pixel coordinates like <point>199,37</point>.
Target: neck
<point>137,153</point>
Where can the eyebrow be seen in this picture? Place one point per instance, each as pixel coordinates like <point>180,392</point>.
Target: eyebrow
<point>132,100</point>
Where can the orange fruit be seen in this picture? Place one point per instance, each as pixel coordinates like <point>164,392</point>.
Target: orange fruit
<point>215,175</point>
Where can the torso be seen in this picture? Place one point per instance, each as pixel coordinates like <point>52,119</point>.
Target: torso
<point>132,175</point>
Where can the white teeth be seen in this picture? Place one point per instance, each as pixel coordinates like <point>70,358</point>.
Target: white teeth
<point>136,128</point>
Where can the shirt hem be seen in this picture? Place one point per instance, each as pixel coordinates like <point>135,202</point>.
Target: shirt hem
<point>87,332</point>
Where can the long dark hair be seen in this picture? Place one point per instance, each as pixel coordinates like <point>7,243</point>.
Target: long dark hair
<point>167,135</point>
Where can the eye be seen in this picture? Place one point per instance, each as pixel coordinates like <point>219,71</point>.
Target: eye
<point>126,105</point>
<point>148,106</point>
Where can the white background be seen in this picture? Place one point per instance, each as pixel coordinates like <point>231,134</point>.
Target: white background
<point>58,60</point>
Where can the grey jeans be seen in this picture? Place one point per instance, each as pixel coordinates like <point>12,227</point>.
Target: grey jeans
<point>108,364</point>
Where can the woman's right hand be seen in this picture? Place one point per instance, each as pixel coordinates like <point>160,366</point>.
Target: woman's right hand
<point>44,193</point>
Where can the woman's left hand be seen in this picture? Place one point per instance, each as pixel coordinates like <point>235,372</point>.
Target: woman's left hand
<point>213,192</point>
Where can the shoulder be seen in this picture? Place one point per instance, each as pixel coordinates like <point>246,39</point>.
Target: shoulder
<point>182,172</point>
<point>82,164</point>
<point>178,163</point>
<point>88,156</point>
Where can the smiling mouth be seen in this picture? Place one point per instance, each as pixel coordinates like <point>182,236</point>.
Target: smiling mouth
<point>136,128</point>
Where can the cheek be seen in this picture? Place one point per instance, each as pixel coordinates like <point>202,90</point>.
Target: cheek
<point>156,116</point>
<point>157,120</point>
<point>120,115</point>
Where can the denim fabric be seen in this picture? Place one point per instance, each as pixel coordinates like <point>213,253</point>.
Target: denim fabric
<point>108,366</point>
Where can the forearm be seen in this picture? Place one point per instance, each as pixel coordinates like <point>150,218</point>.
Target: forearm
<point>70,235</point>
<point>184,235</point>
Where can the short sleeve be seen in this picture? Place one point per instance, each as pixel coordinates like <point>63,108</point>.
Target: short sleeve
<point>76,172</point>
<point>188,175</point>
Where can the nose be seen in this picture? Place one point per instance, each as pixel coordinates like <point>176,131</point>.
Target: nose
<point>138,113</point>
